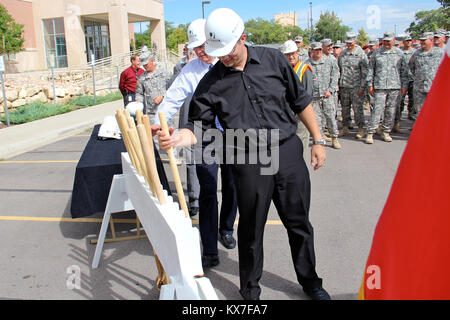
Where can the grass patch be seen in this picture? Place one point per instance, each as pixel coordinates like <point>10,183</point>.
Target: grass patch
<point>35,111</point>
<point>39,110</point>
<point>87,101</point>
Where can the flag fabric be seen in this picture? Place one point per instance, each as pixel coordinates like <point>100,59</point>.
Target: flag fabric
<point>410,253</point>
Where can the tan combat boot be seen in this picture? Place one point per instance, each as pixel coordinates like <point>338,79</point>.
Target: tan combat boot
<point>396,128</point>
<point>360,133</point>
<point>369,138</point>
<point>335,143</point>
<point>386,137</point>
<point>379,130</point>
<point>327,138</point>
<point>345,131</point>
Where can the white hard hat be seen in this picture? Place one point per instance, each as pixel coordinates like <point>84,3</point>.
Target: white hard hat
<point>109,128</point>
<point>196,33</point>
<point>134,106</point>
<point>288,47</point>
<point>223,29</point>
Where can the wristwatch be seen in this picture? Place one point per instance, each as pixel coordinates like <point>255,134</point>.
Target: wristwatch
<point>321,141</point>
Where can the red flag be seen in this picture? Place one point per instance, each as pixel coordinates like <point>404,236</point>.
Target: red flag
<point>410,254</point>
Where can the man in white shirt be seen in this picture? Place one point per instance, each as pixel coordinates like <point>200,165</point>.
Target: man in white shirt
<point>178,95</point>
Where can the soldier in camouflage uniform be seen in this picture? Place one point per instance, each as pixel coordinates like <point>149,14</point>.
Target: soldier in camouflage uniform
<point>387,79</point>
<point>152,84</point>
<point>408,51</point>
<point>302,52</point>
<point>373,45</point>
<point>423,65</point>
<point>325,81</point>
<point>327,52</point>
<point>353,64</point>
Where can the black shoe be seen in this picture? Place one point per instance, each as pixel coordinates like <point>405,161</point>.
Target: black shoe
<point>317,293</point>
<point>209,261</point>
<point>193,211</point>
<point>227,240</point>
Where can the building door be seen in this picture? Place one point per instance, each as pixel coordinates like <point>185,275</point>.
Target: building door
<point>97,40</point>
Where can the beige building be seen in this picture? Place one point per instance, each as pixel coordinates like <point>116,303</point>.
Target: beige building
<point>287,19</point>
<point>67,33</point>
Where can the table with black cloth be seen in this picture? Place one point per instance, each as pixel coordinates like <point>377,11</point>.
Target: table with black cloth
<point>98,164</point>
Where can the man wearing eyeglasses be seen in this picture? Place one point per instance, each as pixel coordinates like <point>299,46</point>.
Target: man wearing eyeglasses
<point>202,192</point>
<point>256,88</point>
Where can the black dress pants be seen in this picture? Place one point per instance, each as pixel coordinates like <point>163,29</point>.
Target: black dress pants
<point>290,189</point>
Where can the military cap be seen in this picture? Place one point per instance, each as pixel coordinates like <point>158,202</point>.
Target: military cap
<point>338,44</point>
<point>397,42</point>
<point>145,57</point>
<point>298,39</point>
<point>426,35</point>
<point>327,42</point>
<point>388,36</point>
<point>447,34</point>
<point>407,38</point>
<point>416,45</point>
<point>316,46</point>
<point>373,42</point>
<point>350,37</point>
<point>439,33</point>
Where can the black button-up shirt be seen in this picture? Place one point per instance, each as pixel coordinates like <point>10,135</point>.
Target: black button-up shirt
<point>265,95</point>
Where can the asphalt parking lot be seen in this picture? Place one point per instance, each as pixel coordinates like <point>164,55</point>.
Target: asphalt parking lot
<point>42,244</point>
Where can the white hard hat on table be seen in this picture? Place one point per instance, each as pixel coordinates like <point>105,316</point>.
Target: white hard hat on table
<point>196,33</point>
<point>223,29</point>
<point>134,106</point>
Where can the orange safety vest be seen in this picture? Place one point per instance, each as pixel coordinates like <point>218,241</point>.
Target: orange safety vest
<point>300,69</point>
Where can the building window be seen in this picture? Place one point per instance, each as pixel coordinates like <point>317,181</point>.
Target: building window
<point>97,39</point>
<point>55,43</point>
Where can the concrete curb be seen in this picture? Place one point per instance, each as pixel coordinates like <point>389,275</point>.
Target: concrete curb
<point>28,136</point>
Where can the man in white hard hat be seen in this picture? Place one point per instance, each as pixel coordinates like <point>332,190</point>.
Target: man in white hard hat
<point>304,73</point>
<point>205,195</point>
<point>255,89</point>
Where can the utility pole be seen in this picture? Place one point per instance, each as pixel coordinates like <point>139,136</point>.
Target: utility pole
<point>311,21</point>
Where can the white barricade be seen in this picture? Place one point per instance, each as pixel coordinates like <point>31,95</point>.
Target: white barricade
<point>174,239</point>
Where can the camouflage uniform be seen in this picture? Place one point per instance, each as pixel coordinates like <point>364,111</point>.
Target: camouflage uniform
<point>398,114</point>
<point>335,93</point>
<point>151,85</point>
<point>423,66</point>
<point>325,78</point>
<point>353,67</point>
<point>303,55</point>
<point>369,98</point>
<point>387,73</point>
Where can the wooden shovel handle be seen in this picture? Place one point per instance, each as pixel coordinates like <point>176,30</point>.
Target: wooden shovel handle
<point>173,167</point>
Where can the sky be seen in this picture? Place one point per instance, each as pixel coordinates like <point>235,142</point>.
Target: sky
<point>375,17</point>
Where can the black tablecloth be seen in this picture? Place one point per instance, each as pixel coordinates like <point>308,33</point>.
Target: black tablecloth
<point>98,164</point>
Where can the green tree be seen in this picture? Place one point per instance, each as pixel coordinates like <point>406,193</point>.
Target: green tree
<point>444,3</point>
<point>429,21</point>
<point>294,31</point>
<point>175,38</point>
<point>11,33</point>
<point>261,31</point>
<point>141,39</point>
<point>363,38</point>
<point>329,27</point>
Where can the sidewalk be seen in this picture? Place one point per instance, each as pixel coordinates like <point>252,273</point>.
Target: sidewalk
<point>28,136</point>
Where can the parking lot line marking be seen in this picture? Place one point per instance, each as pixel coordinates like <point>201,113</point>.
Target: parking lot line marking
<point>95,220</point>
<point>39,161</point>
